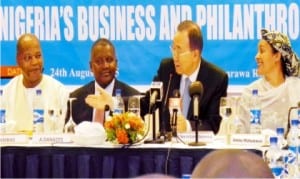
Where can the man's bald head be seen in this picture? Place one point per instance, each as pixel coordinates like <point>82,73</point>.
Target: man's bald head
<point>30,59</point>
<point>229,163</point>
<point>26,41</point>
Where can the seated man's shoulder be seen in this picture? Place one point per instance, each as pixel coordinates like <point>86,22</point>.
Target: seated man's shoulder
<point>83,90</point>
<point>127,90</point>
<point>51,80</point>
<point>216,69</point>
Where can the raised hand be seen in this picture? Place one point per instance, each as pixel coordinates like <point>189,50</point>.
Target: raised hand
<point>99,101</point>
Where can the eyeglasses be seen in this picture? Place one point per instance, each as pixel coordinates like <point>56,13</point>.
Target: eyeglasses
<point>29,58</point>
<point>103,60</point>
<point>178,52</point>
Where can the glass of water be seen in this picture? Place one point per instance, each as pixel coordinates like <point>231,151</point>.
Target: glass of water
<point>134,105</point>
<point>225,107</point>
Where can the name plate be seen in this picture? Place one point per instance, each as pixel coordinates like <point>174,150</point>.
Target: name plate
<point>203,136</point>
<point>14,139</point>
<point>51,138</point>
<point>247,139</point>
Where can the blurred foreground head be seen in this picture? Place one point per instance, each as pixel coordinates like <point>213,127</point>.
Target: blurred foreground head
<point>154,176</point>
<point>232,164</point>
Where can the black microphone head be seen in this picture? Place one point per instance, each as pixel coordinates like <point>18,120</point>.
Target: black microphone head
<point>196,88</point>
<point>176,93</point>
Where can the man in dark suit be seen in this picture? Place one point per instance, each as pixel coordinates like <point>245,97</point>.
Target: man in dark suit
<point>187,62</point>
<point>103,64</point>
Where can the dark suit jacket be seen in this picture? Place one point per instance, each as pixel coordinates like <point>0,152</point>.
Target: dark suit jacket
<point>215,82</point>
<point>83,112</point>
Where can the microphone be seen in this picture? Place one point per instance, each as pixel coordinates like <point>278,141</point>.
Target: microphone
<point>168,89</point>
<point>165,126</point>
<point>196,92</point>
<point>175,105</point>
<point>156,91</point>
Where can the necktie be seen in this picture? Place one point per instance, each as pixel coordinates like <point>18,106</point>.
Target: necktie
<point>186,97</point>
<point>99,116</point>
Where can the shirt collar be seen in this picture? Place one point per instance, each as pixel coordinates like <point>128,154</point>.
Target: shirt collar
<point>108,89</point>
<point>193,76</point>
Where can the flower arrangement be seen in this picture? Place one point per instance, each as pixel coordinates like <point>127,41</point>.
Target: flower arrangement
<point>126,128</point>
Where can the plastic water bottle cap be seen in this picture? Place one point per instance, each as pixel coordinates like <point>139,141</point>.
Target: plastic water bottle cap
<point>186,176</point>
<point>279,130</point>
<point>38,92</point>
<point>294,122</point>
<point>254,92</point>
<point>273,140</point>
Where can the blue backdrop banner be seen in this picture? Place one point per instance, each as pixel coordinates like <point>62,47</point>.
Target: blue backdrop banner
<point>142,32</point>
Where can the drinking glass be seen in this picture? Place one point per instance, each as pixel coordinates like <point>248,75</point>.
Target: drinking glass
<point>225,107</point>
<point>70,125</point>
<point>54,122</point>
<point>227,124</point>
<point>134,105</point>
<point>236,102</point>
<point>50,121</point>
<point>60,121</point>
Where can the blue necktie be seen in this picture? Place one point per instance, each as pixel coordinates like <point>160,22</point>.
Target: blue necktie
<point>186,97</point>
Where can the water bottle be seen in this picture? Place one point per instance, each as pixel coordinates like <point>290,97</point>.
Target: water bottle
<point>293,150</point>
<point>298,112</point>
<point>255,111</point>
<point>119,106</point>
<point>280,136</point>
<point>2,113</point>
<point>38,112</point>
<point>274,158</point>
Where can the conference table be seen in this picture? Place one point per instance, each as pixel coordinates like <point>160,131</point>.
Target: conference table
<point>62,160</point>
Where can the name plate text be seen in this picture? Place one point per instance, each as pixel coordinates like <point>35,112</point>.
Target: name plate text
<point>203,136</point>
<point>14,139</point>
<point>247,139</point>
<point>51,138</point>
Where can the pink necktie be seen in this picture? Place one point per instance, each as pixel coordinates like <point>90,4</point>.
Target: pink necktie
<point>99,116</point>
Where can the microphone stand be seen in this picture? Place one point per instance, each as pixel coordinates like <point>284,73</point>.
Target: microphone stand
<point>174,123</point>
<point>197,143</point>
<point>165,127</point>
<point>154,139</point>
<point>197,122</point>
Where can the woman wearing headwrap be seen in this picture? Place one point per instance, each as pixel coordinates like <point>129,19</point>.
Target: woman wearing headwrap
<point>279,85</point>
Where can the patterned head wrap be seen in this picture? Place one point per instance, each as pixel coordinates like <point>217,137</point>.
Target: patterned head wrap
<point>282,44</point>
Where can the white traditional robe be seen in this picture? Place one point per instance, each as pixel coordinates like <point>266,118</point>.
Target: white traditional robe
<point>18,101</point>
<point>275,103</point>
